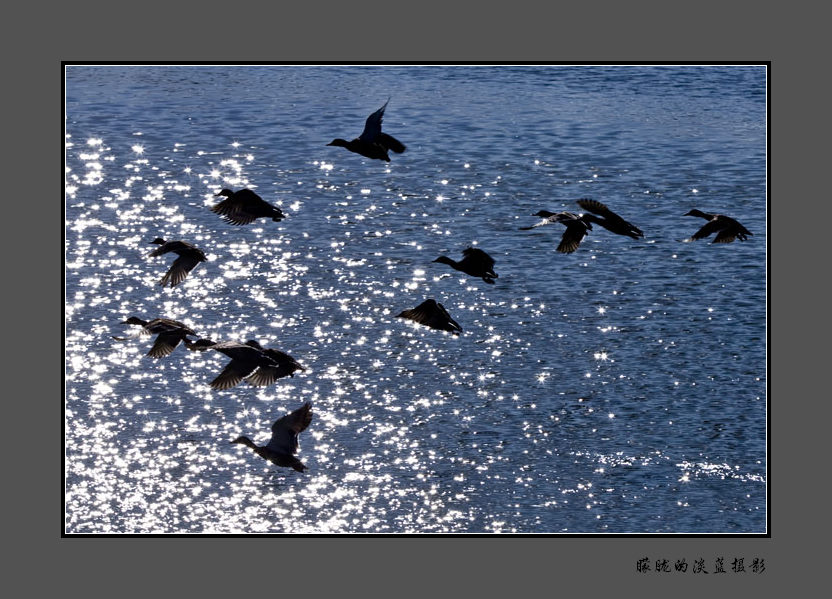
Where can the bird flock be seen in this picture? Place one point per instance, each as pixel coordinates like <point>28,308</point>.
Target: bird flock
<point>259,366</point>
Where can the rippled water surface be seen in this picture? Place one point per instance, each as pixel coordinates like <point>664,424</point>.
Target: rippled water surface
<point>621,388</point>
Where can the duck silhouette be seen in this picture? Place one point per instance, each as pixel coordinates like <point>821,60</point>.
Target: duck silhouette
<point>249,361</point>
<point>577,227</point>
<point>475,262</point>
<point>283,446</point>
<point>610,220</point>
<point>170,333</point>
<point>432,314</point>
<point>243,207</point>
<point>726,228</point>
<point>285,365</point>
<point>189,257</point>
<point>372,143</point>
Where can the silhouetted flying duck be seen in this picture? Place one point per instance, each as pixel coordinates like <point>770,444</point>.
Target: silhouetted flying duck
<point>250,361</point>
<point>475,262</point>
<point>243,207</point>
<point>432,314</point>
<point>282,447</point>
<point>372,143</point>
<point>576,228</point>
<point>610,221</point>
<point>725,227</point>
<point>170,334</point>
<point>189,257</point>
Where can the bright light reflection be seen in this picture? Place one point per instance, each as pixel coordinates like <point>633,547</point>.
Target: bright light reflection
<point>145,437</point>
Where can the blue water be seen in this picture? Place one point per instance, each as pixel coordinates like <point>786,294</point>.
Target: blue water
<point>621,388</point>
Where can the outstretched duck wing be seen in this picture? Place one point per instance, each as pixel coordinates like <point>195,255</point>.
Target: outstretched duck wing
<point>595,207</point>
<point>166,325</point>
<point>424,313</point>
<point>710,227</point>
<point>233,212</point>
<point>572,237</point>
<point>612,221</point>
<point>432,314</point>
<point>174,246</point>
<point>372,128</point>
<point>231,376</point>
<point>179,270</point>
<point>450,324</point>
<point>390,142</point>
<point>732,231</point>
<point>165,344</point>
<point>266,375</point>
<point>285,430</point>
<point>285,365</point>
<point>726,235</point>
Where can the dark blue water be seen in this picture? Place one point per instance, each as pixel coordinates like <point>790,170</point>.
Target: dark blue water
<point>621,388</point>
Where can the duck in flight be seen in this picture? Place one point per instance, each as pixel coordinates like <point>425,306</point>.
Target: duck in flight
<point>577,228</point>
<point>610,220</point>
<point>475,262</point>
<point>243,207</point>
<point>283,446</point>
<point>372,143</point>
<point>170,334</point>
<point>726,228</point>
<point>189,257</point>
<point>285,365</point>
<point>250,361</point>
<point>432,314</point>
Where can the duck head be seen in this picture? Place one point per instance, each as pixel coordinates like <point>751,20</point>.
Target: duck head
<point>134,320</point>
<point>245,441</point>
